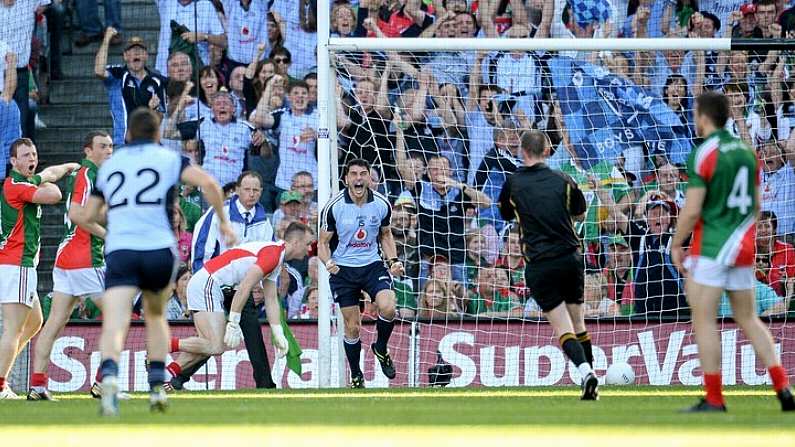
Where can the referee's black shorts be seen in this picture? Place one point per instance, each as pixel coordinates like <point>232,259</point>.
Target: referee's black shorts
<point>555,281</point>
<point>349,283</point>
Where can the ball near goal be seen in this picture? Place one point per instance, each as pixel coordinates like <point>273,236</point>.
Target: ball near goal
<point>620,374</point>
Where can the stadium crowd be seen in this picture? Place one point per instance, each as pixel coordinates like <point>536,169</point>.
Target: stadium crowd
<point>236,86</point>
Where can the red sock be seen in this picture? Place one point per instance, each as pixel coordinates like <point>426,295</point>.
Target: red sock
<point>174,369</point>
<point>38,379</point>
<point>779,376</point>
<point>712,384</point>
<point>174,344</point>
<point>98,376</point>
<point>2,383</point>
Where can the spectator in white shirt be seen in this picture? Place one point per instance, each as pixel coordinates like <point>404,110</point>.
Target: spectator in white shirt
<point>297,20</point>
<point>297,128</point>
<point>226,140</point>
<point>209,29</point>
<point>246,27</point>
<point>18,20</point>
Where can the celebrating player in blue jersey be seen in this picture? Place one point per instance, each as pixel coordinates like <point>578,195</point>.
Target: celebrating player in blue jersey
<point>353,225</point>
<point>138,185</point>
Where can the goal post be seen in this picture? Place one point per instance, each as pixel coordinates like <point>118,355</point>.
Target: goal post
<point>518,348</point>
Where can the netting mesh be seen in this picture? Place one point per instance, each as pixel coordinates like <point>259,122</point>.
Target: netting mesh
<point>443,130</point>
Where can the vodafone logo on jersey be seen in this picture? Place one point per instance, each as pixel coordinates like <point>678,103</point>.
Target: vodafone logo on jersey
<point>359,239</point>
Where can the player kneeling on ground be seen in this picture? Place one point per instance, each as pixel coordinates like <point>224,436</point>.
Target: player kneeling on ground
<point>352,225</point>
<point>243,267</point>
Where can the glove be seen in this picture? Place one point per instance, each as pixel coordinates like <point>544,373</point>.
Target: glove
<point>233,335</point>
<point>279,341</point>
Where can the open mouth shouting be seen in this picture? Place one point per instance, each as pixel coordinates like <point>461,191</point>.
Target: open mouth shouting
<point>359,188</point>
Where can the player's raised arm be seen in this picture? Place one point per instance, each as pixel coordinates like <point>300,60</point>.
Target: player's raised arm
<point>55,173</point>
<point>214,195</point>
<point>46,194</point>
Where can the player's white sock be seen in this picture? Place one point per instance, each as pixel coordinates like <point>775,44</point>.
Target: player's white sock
<point>39,389</point>
<point>585,369</point>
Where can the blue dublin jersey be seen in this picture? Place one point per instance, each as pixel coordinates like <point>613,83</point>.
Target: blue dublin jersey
<point>356,228</point>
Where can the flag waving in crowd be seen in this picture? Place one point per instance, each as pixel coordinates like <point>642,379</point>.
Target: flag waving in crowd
<point>607,115</point>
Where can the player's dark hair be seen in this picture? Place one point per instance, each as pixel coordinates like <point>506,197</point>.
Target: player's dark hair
<point>143,124</point>
<point>296,229</point>
<point>360,162</point>
<point>89,140</point>
<point>714,106</point>
<point>534,142</point>
<point>20,142</point>
<point>765,215</point>
<point>245,174</point>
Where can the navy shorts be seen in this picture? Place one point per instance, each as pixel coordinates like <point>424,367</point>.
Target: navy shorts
<point>150,270</point>
<point>349,283</point>
<point>556,281</point>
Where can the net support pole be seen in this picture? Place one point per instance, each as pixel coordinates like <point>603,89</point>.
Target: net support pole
<point>325,100</point>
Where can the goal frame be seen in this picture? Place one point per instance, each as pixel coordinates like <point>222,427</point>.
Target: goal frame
<point>328,180</point>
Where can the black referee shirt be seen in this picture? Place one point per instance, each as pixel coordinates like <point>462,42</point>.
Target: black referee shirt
<point>543,202</point>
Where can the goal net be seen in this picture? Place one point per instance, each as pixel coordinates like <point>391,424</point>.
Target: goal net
<point>442,130</point>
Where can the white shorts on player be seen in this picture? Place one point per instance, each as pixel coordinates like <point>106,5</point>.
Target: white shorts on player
<point>18,285</point>
<point>79,282</point>
<point>708,272</point>
<point>204,291</point>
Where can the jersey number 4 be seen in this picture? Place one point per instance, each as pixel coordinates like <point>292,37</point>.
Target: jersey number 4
<point>150,173</point>
<point>739,196</point>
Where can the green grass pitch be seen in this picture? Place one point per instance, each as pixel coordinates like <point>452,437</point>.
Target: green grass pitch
<point>625,416</point>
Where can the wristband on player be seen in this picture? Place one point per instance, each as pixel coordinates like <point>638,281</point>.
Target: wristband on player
<point>234,317</point>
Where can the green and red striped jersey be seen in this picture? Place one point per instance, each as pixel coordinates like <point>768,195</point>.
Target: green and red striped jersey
<point>20,221</point>
<point>79,248</point>
<point>730,172</point>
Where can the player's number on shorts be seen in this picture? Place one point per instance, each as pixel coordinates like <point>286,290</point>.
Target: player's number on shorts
<point>139,198</point>
<point>739,196</point>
